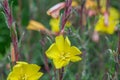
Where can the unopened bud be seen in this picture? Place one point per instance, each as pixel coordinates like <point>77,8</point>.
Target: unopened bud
<point>106,18</point>
<point>95,36</point>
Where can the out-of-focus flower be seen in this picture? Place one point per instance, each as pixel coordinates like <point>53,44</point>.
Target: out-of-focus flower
<point>101,27</point>
<point>91,13</point>
<point>91,7</point>
<point>55,23</point>
<point>114,14</point>
<point>108,27</point>
<point>90,4</point>
<point>61,52</point>
<point>74,3</point>
<point>25,71</point>
<point>103,4</point>
<point>95,36</point>
<point>37,26</point>
<point>55,10</point>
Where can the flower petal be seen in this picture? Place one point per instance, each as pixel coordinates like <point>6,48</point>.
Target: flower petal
<point>21,62</point>
<point>67,44</point>
<point>13,76</point>
<point>60,63</point>
<point>75,58</point>
<point>52,52</point>
<point>31,69</point>
<point>60,42</point>
<point>74,51</point>
<point>34,25</point>
<point>101,27</point>
<point>54,23</point>
<point>36,76</point>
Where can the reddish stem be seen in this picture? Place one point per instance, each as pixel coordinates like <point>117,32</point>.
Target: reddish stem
<point>119,47</point>
<point>98,5</point>
<point>61,73</point>
<point>47,67</point>
<point>11,26</point>
<point>66,14</point>
<point>81,14</point>
<point>14,42</point>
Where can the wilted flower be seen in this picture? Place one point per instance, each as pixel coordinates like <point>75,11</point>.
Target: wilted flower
<point>25,71</point>
<point>55,10</point>
<point>61,52</point>
<point>34,25</point>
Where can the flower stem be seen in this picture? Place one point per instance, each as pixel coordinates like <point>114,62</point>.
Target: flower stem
<point>14,41</point>
<point>66,15</point>
<point>61,73</point>
<point>11,26</point>
<point>47,67</point>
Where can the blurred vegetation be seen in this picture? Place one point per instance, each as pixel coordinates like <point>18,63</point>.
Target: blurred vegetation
<point>98,59</point>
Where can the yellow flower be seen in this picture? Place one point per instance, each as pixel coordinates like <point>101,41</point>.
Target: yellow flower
<point>90,4</point>
<point>61,52</point>
<point>112,22</point>
<point>55,23</point>
<point>114,14</point>
<point>103,3</point>
<point>74,3</point>
<point>101,27</point>
<point>25,71</point>
<point>37,26</point>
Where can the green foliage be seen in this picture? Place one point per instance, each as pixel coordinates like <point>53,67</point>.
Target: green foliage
<point>4,35</point>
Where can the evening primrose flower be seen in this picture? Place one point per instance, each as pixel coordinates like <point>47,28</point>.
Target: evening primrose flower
<point>112,21</point>
<point>55,23</point>
<point>61,52</point>
<point>101,27</point>
<point>25,71</point>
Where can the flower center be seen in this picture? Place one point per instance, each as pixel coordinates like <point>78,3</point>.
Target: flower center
<point>23,77</point>
<point>64,56</point>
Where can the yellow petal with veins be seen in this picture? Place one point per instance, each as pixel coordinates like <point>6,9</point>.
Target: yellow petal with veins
<point>75,58</point>
<point>53,52</point>
<point>60,42</point>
